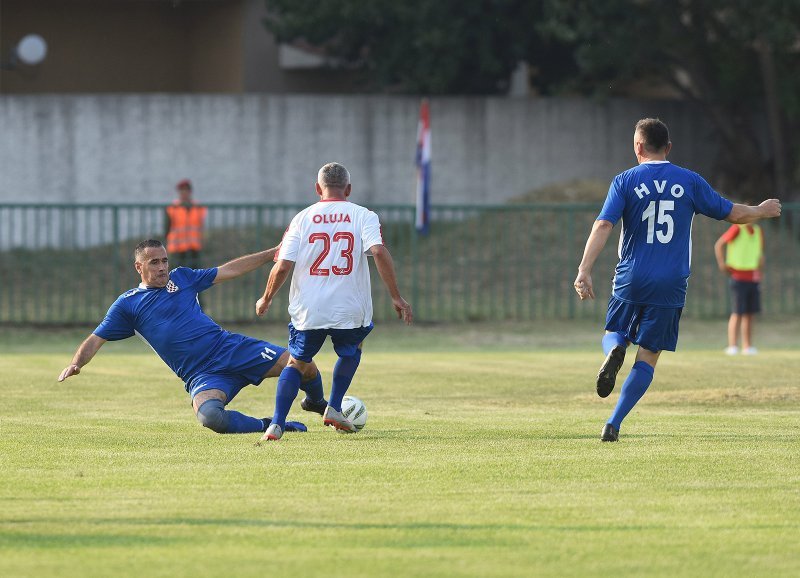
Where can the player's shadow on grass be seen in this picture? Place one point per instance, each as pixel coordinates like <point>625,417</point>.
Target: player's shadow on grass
<point>595,437</point>
<point>113,540</point>
<point>38,540</point>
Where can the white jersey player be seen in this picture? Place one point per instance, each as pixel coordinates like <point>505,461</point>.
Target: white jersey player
<point>327,245</point>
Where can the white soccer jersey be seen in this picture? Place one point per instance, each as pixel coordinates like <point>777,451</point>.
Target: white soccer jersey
<point>328,243</point>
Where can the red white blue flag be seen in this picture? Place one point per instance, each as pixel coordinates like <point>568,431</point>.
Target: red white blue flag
<point>423,167</point>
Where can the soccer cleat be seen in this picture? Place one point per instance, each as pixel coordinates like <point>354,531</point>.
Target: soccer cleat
<point>610,433</point>
<point>749,351</point>
<point>273,433</point>
<point>608,371</point>
<point>336,419</point>
<point>731,350</point>
<point>290,425</point>
<point>315,406</point>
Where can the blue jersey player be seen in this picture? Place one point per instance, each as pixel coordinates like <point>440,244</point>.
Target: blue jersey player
<point>656,202</point>
<point>214,364</point>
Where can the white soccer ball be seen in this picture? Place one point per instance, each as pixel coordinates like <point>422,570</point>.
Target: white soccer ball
<point>354,410</point>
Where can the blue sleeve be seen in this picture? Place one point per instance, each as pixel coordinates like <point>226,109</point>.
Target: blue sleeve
<point>117,324</point>
<point>615,202</point>
<point>709,202</point>
<point>199,279</point>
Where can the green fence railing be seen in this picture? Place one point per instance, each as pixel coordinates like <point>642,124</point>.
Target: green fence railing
<point>67,263</point>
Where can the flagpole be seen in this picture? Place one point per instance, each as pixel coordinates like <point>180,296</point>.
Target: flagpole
<point>423,162</point>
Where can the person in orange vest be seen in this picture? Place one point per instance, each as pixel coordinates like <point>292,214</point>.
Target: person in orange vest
<point>743,261</point>
<point>185,220</point>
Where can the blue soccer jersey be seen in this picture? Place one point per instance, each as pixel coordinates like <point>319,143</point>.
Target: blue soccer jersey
<point>170,320</point>
<point>657,202</point>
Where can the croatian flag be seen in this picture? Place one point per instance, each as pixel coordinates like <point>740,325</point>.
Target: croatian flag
<point>423,167</point>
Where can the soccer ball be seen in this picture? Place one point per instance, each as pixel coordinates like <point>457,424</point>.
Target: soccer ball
<point>354,410</point>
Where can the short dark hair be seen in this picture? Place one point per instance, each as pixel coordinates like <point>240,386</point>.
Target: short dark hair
<point>140,248</point>
<point>654,133</point>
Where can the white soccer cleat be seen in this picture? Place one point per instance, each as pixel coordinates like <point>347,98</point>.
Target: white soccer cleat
<point>732,350</point>
<point>336,419</point>
<point>273,433</point>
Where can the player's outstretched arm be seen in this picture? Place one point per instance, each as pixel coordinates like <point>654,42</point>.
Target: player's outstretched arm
<point>245,264</point>
<point>594,244</point>
<point>86,351</point>
<point>277,277</point>
<point>385,265</point>
<point>743,214</point>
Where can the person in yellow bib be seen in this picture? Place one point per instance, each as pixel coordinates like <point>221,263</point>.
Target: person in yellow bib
<point>740,254</point>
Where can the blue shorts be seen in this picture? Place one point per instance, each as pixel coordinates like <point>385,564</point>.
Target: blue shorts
<point>305,344</point>
<point>746,297</point>
<point>651,327</point>
<point>240,361</point>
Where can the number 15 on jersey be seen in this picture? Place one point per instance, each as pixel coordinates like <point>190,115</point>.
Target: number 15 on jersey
<point>663,209</point>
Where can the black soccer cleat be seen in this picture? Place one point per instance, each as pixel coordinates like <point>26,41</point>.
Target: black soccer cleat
<point>314,406</point>
<point>608,371</point>
<point>610,433</point>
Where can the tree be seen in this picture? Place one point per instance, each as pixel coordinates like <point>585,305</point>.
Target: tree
<point>425,46</point>
<point>737,59</point>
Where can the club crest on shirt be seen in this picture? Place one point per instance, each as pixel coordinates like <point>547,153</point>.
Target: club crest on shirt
<point>171,287</point>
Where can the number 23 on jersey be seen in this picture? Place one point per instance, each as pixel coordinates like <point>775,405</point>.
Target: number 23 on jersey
<point>345,242</point>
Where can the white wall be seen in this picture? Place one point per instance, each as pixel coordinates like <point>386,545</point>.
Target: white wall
<point>267,148</point>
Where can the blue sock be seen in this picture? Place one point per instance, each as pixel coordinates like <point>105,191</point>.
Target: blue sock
<point>288,386</point>
<point>240,423</point>
<point>343,373</point>
<point>639,379</point>
<point>213,415</point>
<point>313,388</point>
<point>611,340</point>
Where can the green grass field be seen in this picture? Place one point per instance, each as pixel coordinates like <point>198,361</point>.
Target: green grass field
<point>480,458</point>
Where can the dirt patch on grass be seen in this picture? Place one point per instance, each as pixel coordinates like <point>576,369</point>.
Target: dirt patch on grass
<point>714,396</point>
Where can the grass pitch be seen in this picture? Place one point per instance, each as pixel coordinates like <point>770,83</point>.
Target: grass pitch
<point>480,458</point>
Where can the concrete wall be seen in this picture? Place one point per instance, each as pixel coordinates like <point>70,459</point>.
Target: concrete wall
<point>267,148</point>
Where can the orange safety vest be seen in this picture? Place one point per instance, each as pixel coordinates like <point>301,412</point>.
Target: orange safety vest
<point>185,227</point>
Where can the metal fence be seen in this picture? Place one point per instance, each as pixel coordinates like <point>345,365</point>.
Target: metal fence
<point>67,263</point>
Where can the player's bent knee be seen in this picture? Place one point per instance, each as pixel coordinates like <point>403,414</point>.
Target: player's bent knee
<point>213,416</point>
<point>302,366</point>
